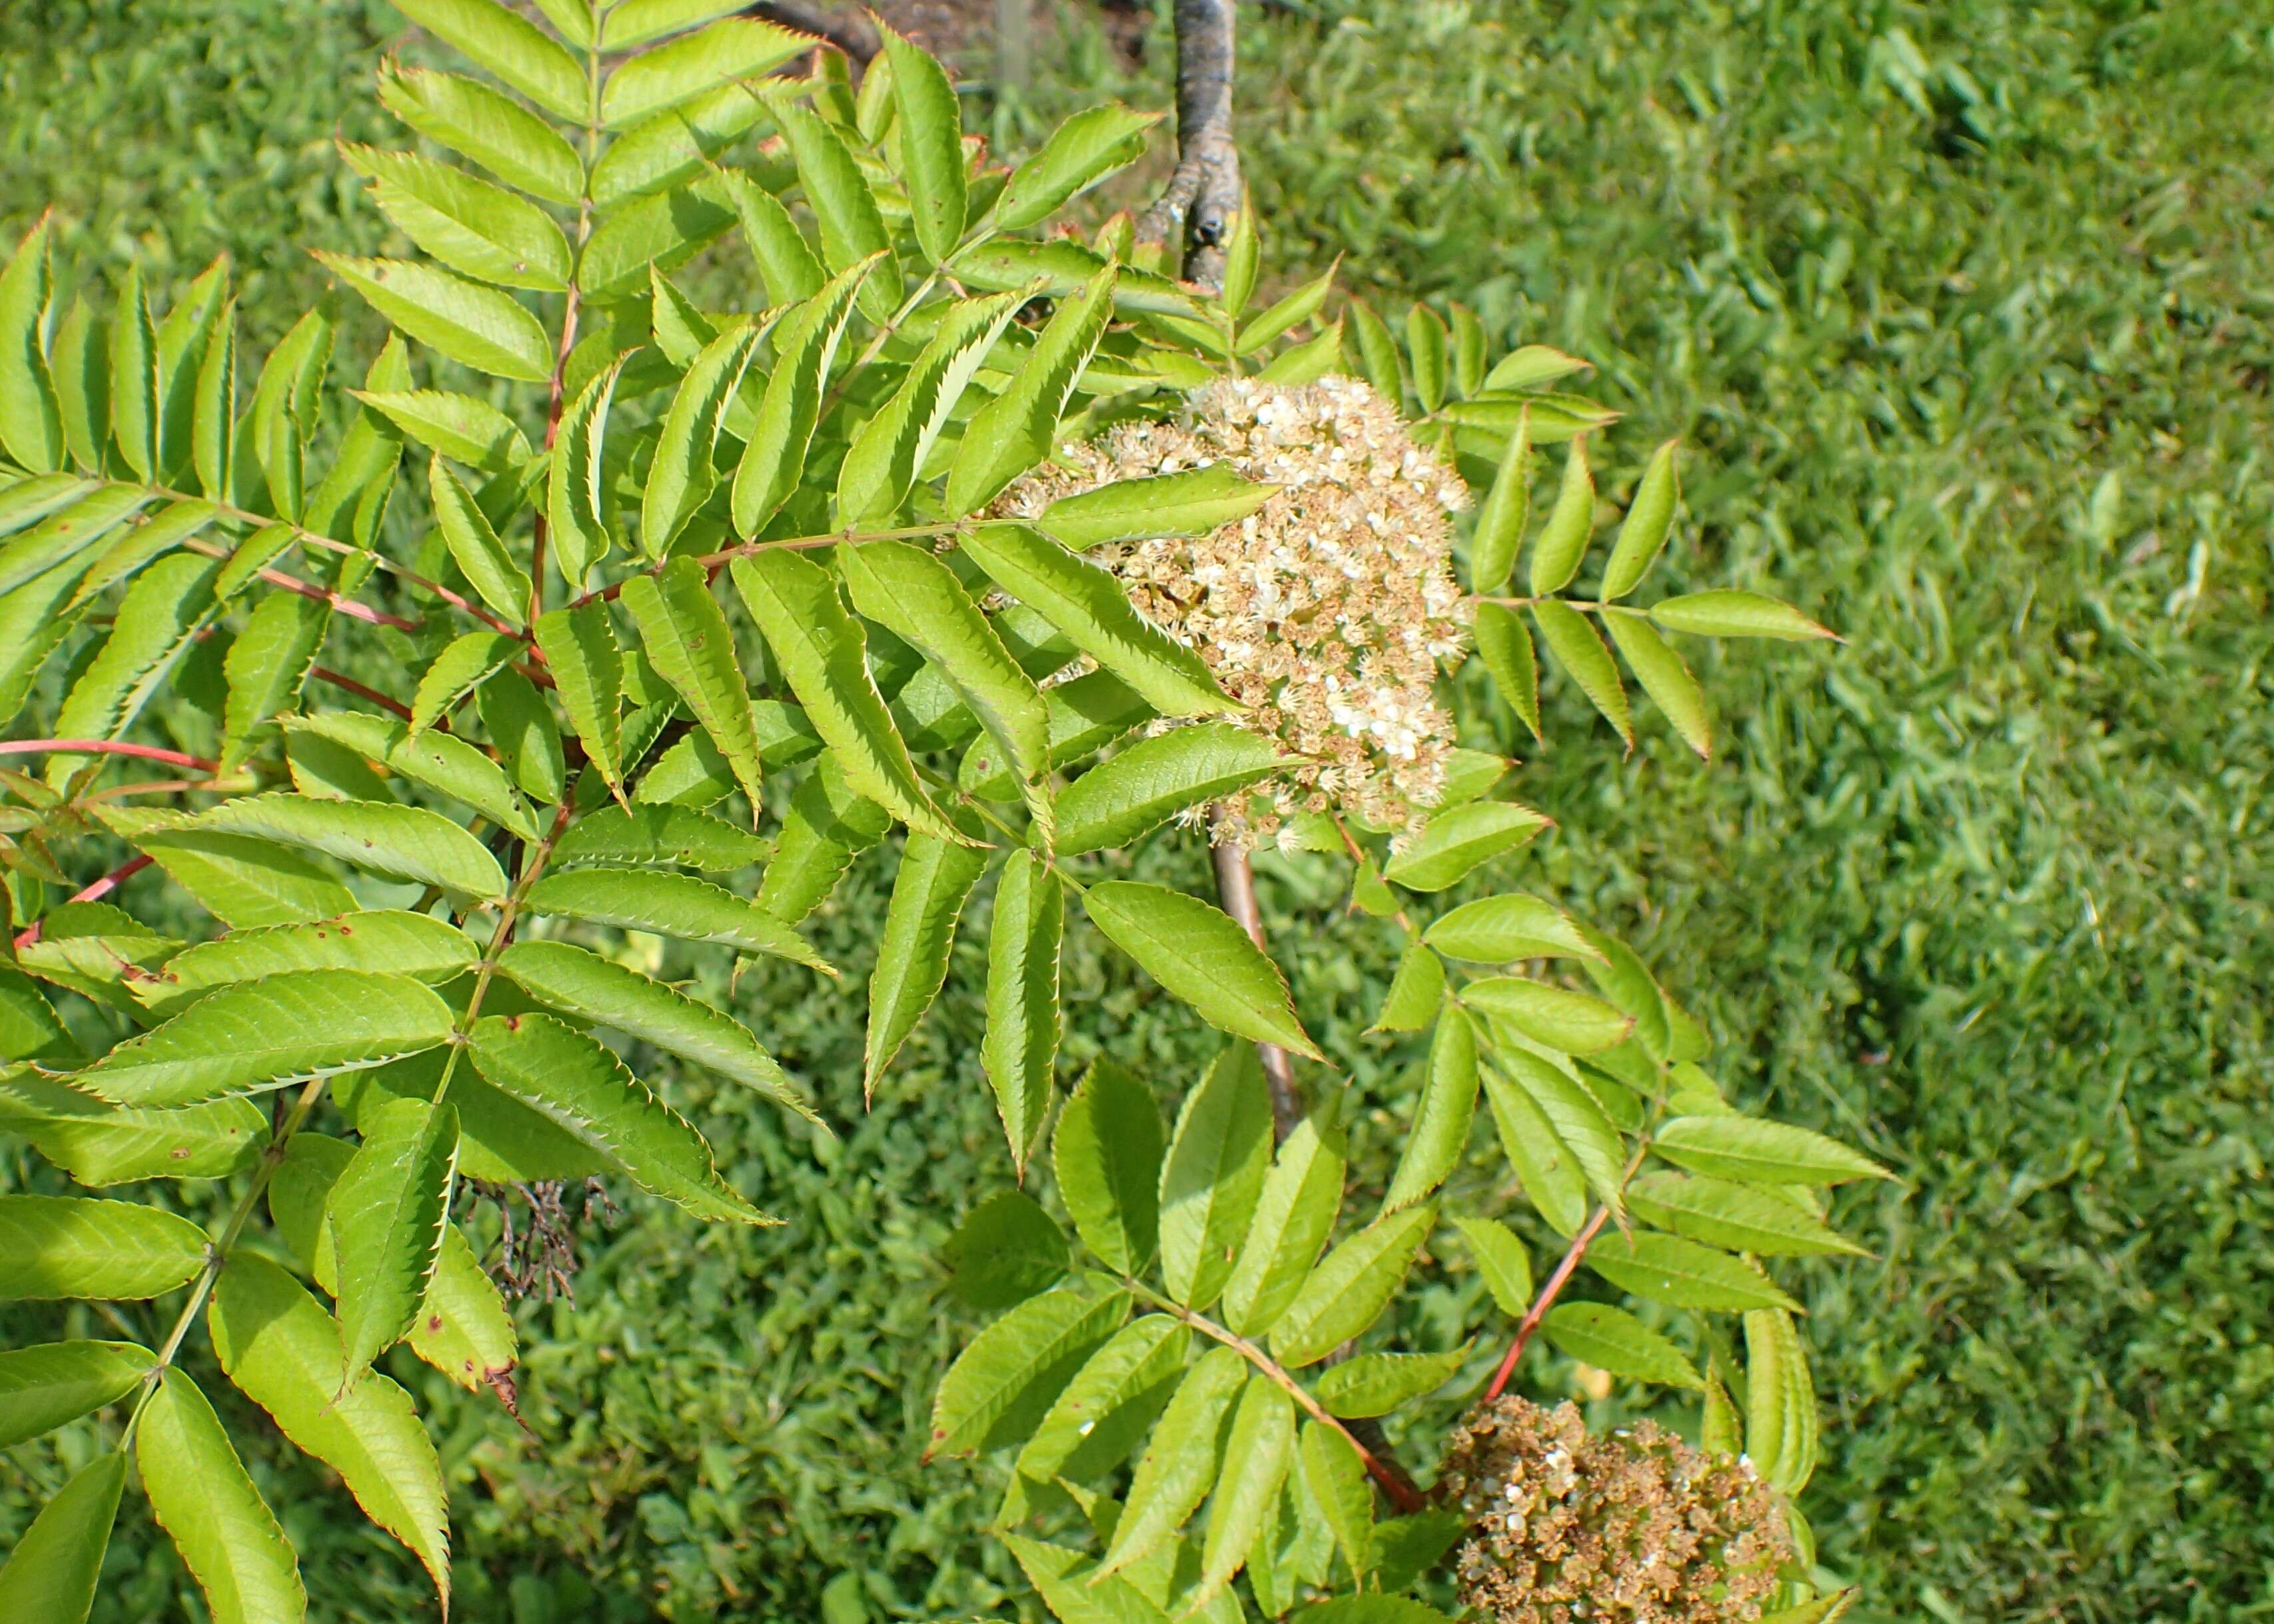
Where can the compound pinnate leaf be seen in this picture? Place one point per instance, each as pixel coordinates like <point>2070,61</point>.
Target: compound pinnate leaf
<point>202,1497</point>
<point>261,1035</point>
<point>98,1143</point>
<point>463,665</point>
<point>823,652</point>
<point>1350,1287</point>
<point>1214,1175</point>
<point>888,451</point>
<point>387,1213</point>
<point>1614,1340</point>
<point>576,511</point>
<point>1459,839</point>
<point>1648,519</point>
<point>1335,1478</point>
<point>582,1088</point>
<point>46,1385</point>
<point>1155,779</point>
<point>460,427</point>
<point>1417,992</point>
<point>1202,956</point>
<point>1751,1151</point>
<point>1019,1049</point>
<point>1016,1366</point>
<point>51,1573</point>
<point>1735,614</point>
<point>1543,1163</point>
<point>467,224</point>
<point>441,761</point>
<point>282,1350</point>
<point>685,637</point>
<point>935,879</point>
<point>600,990</point>
<point>1107,1155</point>
<point>1180,1461</point>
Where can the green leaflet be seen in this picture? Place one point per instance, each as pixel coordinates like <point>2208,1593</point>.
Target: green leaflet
<point>579,646</point>
<point>1335,1478</point>
<point>685,636</point>
<point>458,426</point>
<point>1649,517</point>
<point>1581,1122</point>
<point>853,231</point>
<point>31,423</point>
<point>910,592</point>
<point>1350,1287</point>
<point>1084,602</point>
<point>1732,1217</point>
<point>1202,956</point>
<point>389,1212</point>
<point>1190,503</point>
<point>1780,1421</point>
<point>406,843</point>
<point>463,666</point>
<point>1665,1268</point>
<point>52,1572</point>
<point>636,22</point>
<point>585,984</point>
<point>201,1496</point>
<point>805,347</point>
<point>261,1035</point>
<point>575,497</point>
<point>510,46</point>
<point>384,940</point>
<point>169,604</point>
<point>267,668</point>
<point>442,762</point>
<point>67,533</point>
<point>931,145</point>
<point>1761,1153</point>
<point>583,1089</point>
<point>822,653</point>
<point>1013,432</point>
<point>478,327</point>
<point>467,224</point>
<point>241,880</point>
<point>1020,1045</point>
<point>1503,1261</point>
<point>1500,521</point>
<point>785,262</point>
<point>213,410</point>
<point>1578,648</point>
<point>136,411</point>
<point>1158,778</point>
<point>1735,614</point>
<point>1416,992</point>
<point>1001,1385</point>
<point>681,478</point>
<point>1459,841</point>
<point>78,1246</point>
<point>1375,1384</point>
<point>1179,1463</point>
<point>1440,1132</point>
<point>670,905</point>
<point>935,879</point>
<point>1424,344</point>
<point>282,1350</point>
<point>729,50</point>
<point>98,1143</point>
<point>1215,1172</point>
<point>1090,711</point>
<point>827,823</point>
<point>1006,1250</point>
<point>648,836</point>
<point>520,724</point>
<point>496,576</point>
<point>1081,151</point>
<point>889,450</point>
<point>1614,1340</point>
<point>1107,1155</point>
<point>1563,541</point>
<point>1110,1404</point>
<point>1257,1453</point>
<point>1665,678</point>
<point>1500,929</point>
<point>1285,315</point>
<point>1543,1163</point>
<point>659,233</point>
<point>1294,1214</point>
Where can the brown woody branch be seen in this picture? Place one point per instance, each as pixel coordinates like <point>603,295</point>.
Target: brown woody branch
<point>1194,209</point>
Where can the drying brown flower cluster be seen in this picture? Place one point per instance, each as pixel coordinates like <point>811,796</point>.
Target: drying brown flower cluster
<point>1327,611</point>
<point>1631,1528</point>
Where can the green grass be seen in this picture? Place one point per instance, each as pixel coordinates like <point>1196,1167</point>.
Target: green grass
<point>1965,314</point>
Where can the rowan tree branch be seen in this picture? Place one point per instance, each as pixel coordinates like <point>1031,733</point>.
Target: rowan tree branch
<point>1235,885</point>
<point>1194,209</point>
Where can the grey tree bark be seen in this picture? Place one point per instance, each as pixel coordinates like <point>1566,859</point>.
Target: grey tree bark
<point>1194,210</point>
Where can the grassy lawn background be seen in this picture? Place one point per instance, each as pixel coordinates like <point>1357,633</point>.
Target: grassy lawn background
<point>1968,317</point>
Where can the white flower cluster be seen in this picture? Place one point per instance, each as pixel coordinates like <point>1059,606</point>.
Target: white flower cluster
<point>1327,611</point>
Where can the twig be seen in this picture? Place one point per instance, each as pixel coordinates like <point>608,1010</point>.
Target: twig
<point>1197,205</point>
<point>1546,1300</point>
<point>96,892</point>
<point>105,746</point>
<point>325,673</point>
<point>1235,884</point>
